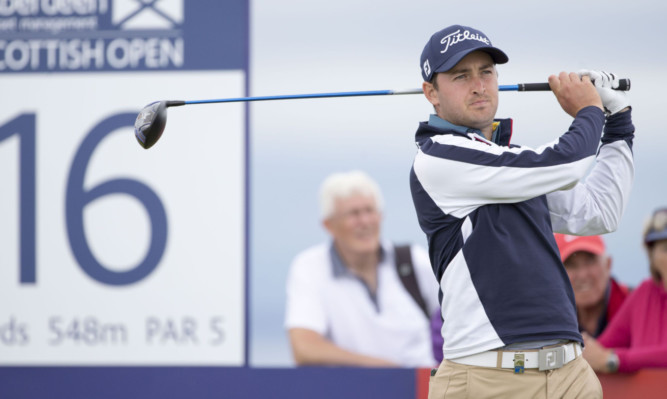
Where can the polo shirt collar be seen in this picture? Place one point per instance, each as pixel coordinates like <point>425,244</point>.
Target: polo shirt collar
<point>436,121</point>
<point>340,268</point>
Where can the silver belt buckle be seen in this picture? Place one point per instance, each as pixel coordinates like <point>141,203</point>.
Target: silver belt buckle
<point>552,358</point>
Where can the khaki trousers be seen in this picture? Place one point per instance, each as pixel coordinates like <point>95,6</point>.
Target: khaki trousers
<point>574,380</point>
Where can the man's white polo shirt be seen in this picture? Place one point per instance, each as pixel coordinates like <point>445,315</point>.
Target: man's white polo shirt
<point>324,296</point>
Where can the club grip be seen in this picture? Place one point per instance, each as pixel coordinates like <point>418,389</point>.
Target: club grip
<point>623,84</point>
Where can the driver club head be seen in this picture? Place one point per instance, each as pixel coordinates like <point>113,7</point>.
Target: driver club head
<point>150,123</point>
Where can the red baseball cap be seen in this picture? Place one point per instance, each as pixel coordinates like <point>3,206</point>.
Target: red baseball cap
<point>568,244</point>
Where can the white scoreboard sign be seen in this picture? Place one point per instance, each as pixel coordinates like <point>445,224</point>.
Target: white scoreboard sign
<point>111,254</point>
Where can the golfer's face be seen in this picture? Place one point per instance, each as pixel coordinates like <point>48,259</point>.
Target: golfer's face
<point>468,93</point>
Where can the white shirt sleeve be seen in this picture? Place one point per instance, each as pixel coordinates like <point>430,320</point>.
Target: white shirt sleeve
<point>595,205</point>
<point>304,308</point>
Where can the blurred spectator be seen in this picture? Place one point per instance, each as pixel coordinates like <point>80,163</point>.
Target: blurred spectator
<point>637,337</point>
<point>597,295</point>
<point>349,302</point>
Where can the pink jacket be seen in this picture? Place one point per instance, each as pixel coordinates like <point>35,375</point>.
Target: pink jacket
<point>638,332</point>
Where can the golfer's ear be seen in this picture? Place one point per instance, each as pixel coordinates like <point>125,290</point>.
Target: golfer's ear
<point>430,92</point>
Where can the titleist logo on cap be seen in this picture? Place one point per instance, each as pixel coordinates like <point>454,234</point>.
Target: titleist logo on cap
<point>447,47</point>
<point>457,37</point>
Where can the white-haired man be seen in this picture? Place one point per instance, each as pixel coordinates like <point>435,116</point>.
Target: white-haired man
<point>347,303</point>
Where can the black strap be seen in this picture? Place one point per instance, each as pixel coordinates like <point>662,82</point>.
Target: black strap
<point>406,272</point>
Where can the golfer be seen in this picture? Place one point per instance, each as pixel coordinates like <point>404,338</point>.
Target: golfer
<point>489,209</point>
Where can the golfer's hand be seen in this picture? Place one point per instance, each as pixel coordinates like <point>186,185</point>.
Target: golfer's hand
<point>574,92</point>
<point>614,101</point>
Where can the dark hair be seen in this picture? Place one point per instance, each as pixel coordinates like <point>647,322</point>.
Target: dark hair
<point>434,80</point>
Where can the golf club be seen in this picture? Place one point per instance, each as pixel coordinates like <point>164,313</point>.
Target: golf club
<point>152,119</point>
